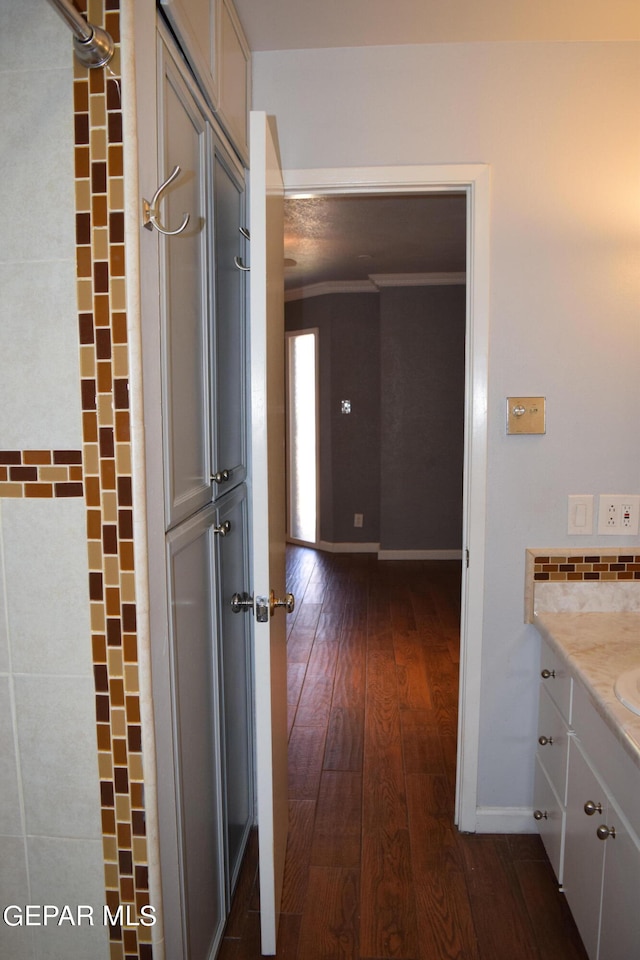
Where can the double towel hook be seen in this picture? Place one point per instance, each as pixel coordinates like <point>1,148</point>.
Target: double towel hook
<point>151,213</point>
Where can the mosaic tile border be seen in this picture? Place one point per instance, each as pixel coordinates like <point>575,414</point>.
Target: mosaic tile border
<point>41,473</point>
<point>104,371</point>
<point>584,567</point>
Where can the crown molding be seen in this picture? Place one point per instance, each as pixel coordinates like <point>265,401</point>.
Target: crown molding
<point>375,283</point>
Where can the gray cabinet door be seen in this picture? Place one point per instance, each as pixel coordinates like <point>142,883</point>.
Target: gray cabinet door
<point>234,630</point>
<point>195,711</point>
<point>184,299</point>
<point>229,437</point>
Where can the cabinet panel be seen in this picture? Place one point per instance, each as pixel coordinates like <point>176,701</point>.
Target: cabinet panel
<point>196,25</point>
<point>235,87</point>
<point>584,852</point>
<point>236,672</point>
<point>196,733</point>
<point>553,744</point>
<point>620,927</point>
<point>184,301</point>
<point>551,824</point>
<point>229,336</point>
<point>556,680</point>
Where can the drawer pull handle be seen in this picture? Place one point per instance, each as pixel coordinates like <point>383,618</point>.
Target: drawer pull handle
<point>540,815</point>
<point>544,741</point>
<point>590,808</point>
<point>545,674</point>
<point>604,832</point>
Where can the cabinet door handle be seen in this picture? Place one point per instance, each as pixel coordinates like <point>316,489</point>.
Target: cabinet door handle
<point>540,815</point>
<point>590,808</point>
<point>544,741</point>
<point>223,529</point>
<point>545,674</point>
<point>221,476</point>
<point>604,832</point>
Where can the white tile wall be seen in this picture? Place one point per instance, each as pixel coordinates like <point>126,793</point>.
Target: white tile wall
<point>16,943</point>
<point>39,387</point>
<point>58,758</point>
<point>59,869</point>
<point>50,830</point>
<point>10,818</point>
<point>47,586</point>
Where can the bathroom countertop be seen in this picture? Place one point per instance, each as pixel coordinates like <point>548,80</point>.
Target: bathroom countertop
<point>597,648</point>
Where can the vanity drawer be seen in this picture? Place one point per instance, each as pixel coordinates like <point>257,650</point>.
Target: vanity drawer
<point>550,817</point>
<point>553,740</point>
<point>556,680</point>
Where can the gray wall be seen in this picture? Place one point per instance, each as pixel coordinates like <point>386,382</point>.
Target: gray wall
<point>397,458</point>
<point>348,327</point>
<point>422,331</point>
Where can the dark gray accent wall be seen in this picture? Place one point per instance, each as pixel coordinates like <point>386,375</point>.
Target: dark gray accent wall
<point>422,334</point>
<point>397,458</point>
<point>349,336</point>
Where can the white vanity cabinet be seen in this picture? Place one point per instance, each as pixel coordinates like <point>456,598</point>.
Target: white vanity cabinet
<point>587,799</point>
<point>602,851</point>
<point>550,790</point>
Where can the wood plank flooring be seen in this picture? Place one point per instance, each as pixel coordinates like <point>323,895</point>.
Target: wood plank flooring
<point>375,868</point>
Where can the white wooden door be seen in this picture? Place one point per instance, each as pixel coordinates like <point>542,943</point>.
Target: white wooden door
<point>268,514</point>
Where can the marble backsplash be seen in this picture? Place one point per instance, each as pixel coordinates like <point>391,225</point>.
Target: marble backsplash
<point>598,581</point>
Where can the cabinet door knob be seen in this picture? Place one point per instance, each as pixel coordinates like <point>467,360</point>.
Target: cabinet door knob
<point>223,529</point>
<point>544,741</point>
<point>545,674</point>
<point>221,476</point>
<point>540,815</point>
<point>604,832</point>
<point>590,808</point>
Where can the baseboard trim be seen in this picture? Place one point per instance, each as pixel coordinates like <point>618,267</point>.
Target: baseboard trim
<point>505,820</point>
<point>348,547</point>
<point>419,554</point>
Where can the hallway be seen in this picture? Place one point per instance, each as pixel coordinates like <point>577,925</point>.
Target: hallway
<point>375,867</point>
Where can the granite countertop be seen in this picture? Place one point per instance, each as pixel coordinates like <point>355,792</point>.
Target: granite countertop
<point>597,648</point>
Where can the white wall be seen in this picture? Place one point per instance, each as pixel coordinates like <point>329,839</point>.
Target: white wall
<point>559,125</point>
<point>50,829</point>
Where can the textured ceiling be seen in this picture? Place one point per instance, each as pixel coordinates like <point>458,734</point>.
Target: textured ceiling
<point>302,24</point>
<point>352,237</point>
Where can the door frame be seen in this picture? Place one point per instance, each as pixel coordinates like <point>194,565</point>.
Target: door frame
<point>474,181</point>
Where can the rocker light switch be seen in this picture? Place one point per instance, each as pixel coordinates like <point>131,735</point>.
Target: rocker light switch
<point>526,415</point>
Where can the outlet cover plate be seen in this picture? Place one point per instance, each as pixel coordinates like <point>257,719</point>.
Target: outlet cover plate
<point>618,514</point>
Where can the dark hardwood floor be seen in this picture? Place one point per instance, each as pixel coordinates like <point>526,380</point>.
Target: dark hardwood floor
<point>375,867</point>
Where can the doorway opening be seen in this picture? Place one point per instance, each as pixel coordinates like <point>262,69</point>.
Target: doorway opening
<point>473,181</point>
<point>302,436</point>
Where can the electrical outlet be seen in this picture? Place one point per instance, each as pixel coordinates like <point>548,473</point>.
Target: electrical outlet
<point>358,519</point>
<point>618,514</point>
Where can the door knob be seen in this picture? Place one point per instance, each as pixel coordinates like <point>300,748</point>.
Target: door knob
<point>590,808</point>
<point>288,603</point>
<point>241,601</point>
<point>221,476</point>
<point>223,529</point>
<point>543,741</point>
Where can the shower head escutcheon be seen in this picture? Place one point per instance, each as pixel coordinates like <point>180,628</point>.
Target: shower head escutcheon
<point>93,46</point>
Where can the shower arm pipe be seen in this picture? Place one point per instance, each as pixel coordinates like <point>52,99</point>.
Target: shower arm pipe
<point>93,46</point>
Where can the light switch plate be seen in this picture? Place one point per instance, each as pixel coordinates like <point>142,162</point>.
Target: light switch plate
<point>526,415</point>
<point>580,519</point>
